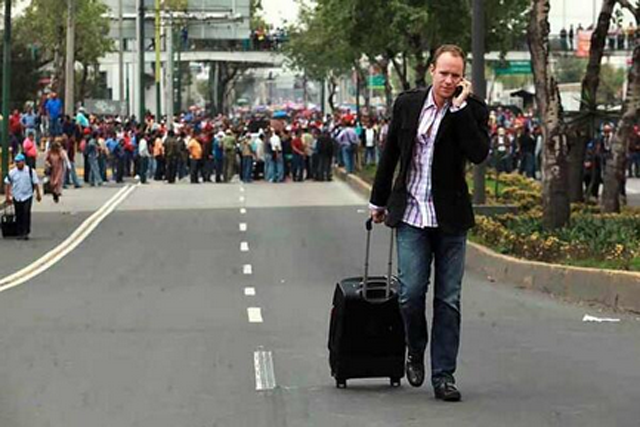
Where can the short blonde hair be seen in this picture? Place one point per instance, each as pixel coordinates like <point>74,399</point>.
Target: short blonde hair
<point>452,49</point>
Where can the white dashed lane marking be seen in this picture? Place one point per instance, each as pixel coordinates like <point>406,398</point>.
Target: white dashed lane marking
<point>254,314</point>
<point>243,226</point>
<point>243,211</point>
<point>265,374</point>
<point>241,199</point>
<point>250,292</point>
<point>244,247</point>
<point>246,269</point>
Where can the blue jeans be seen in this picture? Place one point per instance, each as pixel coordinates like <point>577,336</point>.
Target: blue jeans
<point>94,171</point>
<point>417,248</point>
<point>269,168</point>
<point>279,169</point>
<point>247,168</point>
<point>347,157</point>
<point>72,176</point>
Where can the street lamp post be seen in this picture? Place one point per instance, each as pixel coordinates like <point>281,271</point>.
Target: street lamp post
<point>480,89</point>
<point>6,87</point>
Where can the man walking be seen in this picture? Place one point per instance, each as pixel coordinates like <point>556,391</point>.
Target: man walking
<point>20,184</point>
<point>432,134</point>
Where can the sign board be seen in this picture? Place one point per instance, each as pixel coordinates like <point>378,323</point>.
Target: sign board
<point>513,67</point>
<point>105,107</point>
<point>376,82</point>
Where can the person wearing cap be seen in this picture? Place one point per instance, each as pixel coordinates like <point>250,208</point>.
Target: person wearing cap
<point>20,184</point>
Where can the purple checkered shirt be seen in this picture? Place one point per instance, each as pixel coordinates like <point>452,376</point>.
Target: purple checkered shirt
<point>420,211</point>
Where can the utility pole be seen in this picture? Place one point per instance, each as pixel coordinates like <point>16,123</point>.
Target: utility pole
<point>169,73</point>
<point>6,88</point>
<point>479,88</point>
<point>69,78</point>
<point>158,64</point>
<point>179,94</point>
<point>121,77</point>
<point>141,107</point>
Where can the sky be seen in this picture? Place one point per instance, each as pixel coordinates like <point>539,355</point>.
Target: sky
<point>563,12</point>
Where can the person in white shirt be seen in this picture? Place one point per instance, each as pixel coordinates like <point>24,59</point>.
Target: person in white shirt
<point>143,154</point>
<point>20,184</point>
<point>370,138</point>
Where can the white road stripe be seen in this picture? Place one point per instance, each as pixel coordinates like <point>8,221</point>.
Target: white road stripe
<point>243,211</point>
<point>265,374</point>
<point>250,292</point>
<point>242,189</point>
<point>241,199</point>
<point>255,314</point>
<point>243,226</point>
<point>246,269</point>
<point>59,252</point>
<point>244,247</point>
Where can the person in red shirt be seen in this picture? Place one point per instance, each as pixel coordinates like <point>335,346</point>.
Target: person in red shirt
<point>297,147</point>
<point>15,124</point>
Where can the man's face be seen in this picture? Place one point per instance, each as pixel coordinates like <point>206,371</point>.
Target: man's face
<point>447,73</point>
<point>20,165</point>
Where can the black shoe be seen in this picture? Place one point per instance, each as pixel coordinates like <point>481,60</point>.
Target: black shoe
<point>446,390</point>
<point>415,370</point>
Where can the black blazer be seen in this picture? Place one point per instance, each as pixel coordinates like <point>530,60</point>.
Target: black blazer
<point>462,135</point>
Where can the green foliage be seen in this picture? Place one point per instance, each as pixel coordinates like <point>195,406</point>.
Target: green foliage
<point>44,24</point>
<point>591,239</point>
<point>393,28</point>
<point>318,44</point>
<point>570,69</point>
<point>611,83</point>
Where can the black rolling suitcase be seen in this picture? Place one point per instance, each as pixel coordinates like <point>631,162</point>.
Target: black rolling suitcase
<point>366,333</point>
<point>8,223</point>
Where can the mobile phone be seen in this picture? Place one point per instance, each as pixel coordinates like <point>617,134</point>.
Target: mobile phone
<point>458,91</point>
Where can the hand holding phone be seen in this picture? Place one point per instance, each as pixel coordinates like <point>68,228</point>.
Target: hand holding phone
<point>462,92</point>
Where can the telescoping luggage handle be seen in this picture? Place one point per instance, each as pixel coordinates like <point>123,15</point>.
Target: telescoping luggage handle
<point>365,281</point>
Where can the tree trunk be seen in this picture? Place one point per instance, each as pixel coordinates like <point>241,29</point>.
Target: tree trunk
<point>555,198</point>
<point>588,104</point>
<point>83,83</point>
<point>333,86</point>
<point>614,174</point>
<point>388,90</point>
<point>401,70</point>
<point>420,69</point>
<point>577,138</point>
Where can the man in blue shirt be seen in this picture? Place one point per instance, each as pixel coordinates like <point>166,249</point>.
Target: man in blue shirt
<point>53,107</point>
<point>20,184</point>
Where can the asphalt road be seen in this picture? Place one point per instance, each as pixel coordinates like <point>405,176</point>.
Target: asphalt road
<point>146,324</point>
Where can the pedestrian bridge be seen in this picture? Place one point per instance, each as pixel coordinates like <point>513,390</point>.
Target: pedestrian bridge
<point>257,58</point>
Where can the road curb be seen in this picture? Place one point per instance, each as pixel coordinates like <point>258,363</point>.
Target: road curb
<point>616,289</point>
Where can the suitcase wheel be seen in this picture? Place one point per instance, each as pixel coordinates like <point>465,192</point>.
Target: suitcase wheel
<point>340,383</point>
<point>395,382</point>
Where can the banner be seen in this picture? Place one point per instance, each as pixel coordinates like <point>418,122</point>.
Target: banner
<point>584,43</point>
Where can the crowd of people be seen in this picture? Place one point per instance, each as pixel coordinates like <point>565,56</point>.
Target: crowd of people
<point>215,149</point>
<point>619,37</point>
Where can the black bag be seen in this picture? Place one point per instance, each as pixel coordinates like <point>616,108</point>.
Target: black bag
<point>366,333</point>
<point>9,223</point>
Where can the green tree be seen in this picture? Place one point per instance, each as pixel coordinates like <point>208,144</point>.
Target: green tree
<point>319,47</point>
<point>44,25</point>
